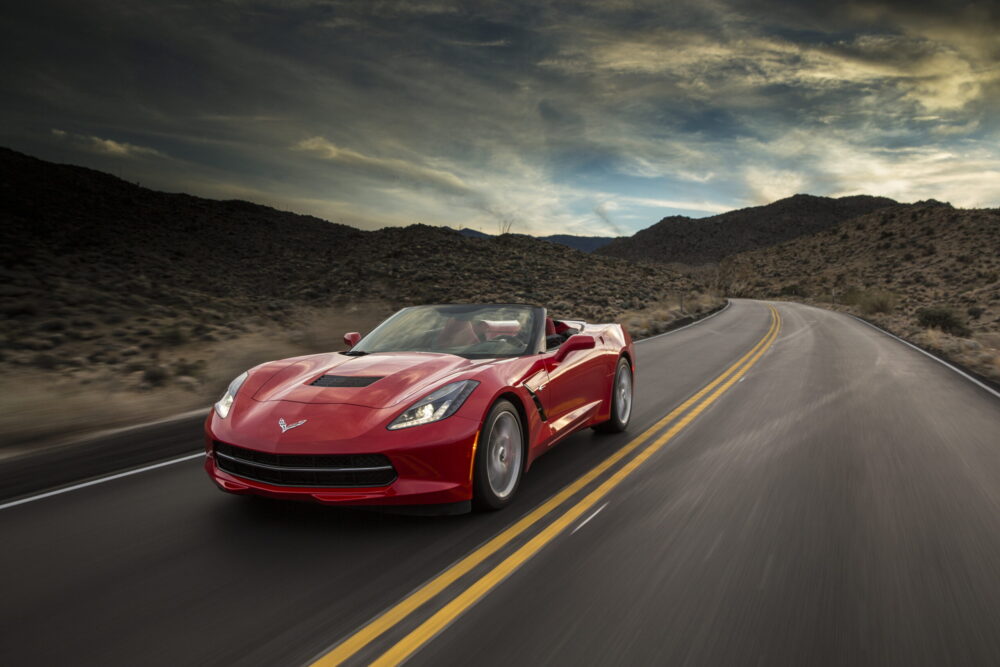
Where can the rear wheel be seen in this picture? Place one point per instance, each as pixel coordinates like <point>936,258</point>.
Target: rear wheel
<point>622,395</point>
<point>499,458</point>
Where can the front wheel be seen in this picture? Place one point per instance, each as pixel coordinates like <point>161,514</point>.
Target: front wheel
<point>499,458</point>
<point>622,395</point>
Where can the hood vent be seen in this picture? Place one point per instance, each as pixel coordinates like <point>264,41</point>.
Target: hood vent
<point>343,381</point>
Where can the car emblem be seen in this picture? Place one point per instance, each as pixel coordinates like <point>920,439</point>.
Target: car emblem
<point>288,427</point>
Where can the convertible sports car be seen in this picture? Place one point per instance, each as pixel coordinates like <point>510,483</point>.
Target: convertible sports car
<point>445,405</point>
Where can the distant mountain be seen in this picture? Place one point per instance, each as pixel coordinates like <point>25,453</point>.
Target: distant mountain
<point>584,243</point>
<point>472,233</point>
<point>705,240</point>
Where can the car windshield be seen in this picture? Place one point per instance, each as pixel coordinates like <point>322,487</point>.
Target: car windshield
<point>472,331</point>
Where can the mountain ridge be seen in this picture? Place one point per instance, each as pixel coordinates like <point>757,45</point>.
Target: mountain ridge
<point>695,241</point>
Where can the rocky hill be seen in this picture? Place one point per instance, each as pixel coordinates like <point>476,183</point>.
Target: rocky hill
<point>99,271</point>
<point>927,271</point>
<point>693,241</point>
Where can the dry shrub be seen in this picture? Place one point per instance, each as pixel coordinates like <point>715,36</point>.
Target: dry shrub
<point>932,338</point>
<point>660,316</point>
<point>795,289</point>
<point>876,301</point>
<point>943,318</point>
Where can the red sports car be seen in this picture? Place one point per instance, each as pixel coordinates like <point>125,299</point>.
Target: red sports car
<point>445,405</point>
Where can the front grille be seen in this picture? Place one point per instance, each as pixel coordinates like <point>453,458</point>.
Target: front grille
<point>315,470</point>
<point>344,381</point>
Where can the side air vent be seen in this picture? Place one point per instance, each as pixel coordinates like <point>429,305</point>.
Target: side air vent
<point>344,381</point>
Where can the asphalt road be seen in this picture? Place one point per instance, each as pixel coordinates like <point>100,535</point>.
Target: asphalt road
<point>835,502</point>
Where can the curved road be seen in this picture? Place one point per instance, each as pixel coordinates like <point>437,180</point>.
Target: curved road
<point>834,499</point>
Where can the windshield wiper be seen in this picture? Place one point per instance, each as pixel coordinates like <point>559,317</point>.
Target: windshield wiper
<point>355,353</point>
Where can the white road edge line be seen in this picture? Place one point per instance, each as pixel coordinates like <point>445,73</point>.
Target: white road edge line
<point>928,354</point>
<point>729,302</point>
<point>132,427</point>
<point>100,480</point>
<point>584,522</point>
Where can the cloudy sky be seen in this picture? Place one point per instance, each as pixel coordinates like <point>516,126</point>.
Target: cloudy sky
<point>580,117</point>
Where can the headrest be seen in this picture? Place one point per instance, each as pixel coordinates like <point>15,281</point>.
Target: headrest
<point>490,329</point>
<point>457,332</point>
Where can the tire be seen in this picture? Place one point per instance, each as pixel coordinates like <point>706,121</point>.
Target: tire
<point>622,400</point>
<point>500,458</point>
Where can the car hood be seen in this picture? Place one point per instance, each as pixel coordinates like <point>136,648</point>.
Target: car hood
<point>401,376</point>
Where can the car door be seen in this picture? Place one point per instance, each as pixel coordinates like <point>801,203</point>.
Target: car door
<point>574,385</point>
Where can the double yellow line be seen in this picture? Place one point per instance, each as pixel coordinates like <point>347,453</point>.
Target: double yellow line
<point>474,592</point>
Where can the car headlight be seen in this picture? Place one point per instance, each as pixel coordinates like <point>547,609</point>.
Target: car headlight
<point>435,406</point>
<point>224,404</point>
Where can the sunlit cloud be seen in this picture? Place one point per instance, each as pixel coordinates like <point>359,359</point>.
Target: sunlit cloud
<point>94,144</point>
<point>965,176</point>
<point>936,76</point>
<point>390,167</point>
<point>698,206</point>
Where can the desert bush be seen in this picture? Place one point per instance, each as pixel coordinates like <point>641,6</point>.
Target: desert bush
<point>45,361</point>
<point>155,376</point>
<point>190,368</point>
<point>975,312</point>
<point>52,325</point>
<point>943,318</point>
<point>795,289</point>
<point>19,309</point>
<point>172,335</point>
<point>851,296</point>
<point>876,301</point>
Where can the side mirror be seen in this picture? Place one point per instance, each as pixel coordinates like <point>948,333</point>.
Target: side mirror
<point>351,339</point>
<point>574,343</point>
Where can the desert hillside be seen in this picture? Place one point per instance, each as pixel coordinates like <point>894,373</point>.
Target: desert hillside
<point>927,271</point>
<point>78,243</point>
<point>693,241</point>
<point>118,287</point>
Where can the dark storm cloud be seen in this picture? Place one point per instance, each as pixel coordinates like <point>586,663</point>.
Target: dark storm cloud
<point>559,116</point>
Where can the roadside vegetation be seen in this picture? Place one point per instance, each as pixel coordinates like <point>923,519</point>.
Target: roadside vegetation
<point>46,401</point>
<point>39,406</point>
<point>669,314</point>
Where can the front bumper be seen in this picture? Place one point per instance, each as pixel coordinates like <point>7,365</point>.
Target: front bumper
<point>432,463</point>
